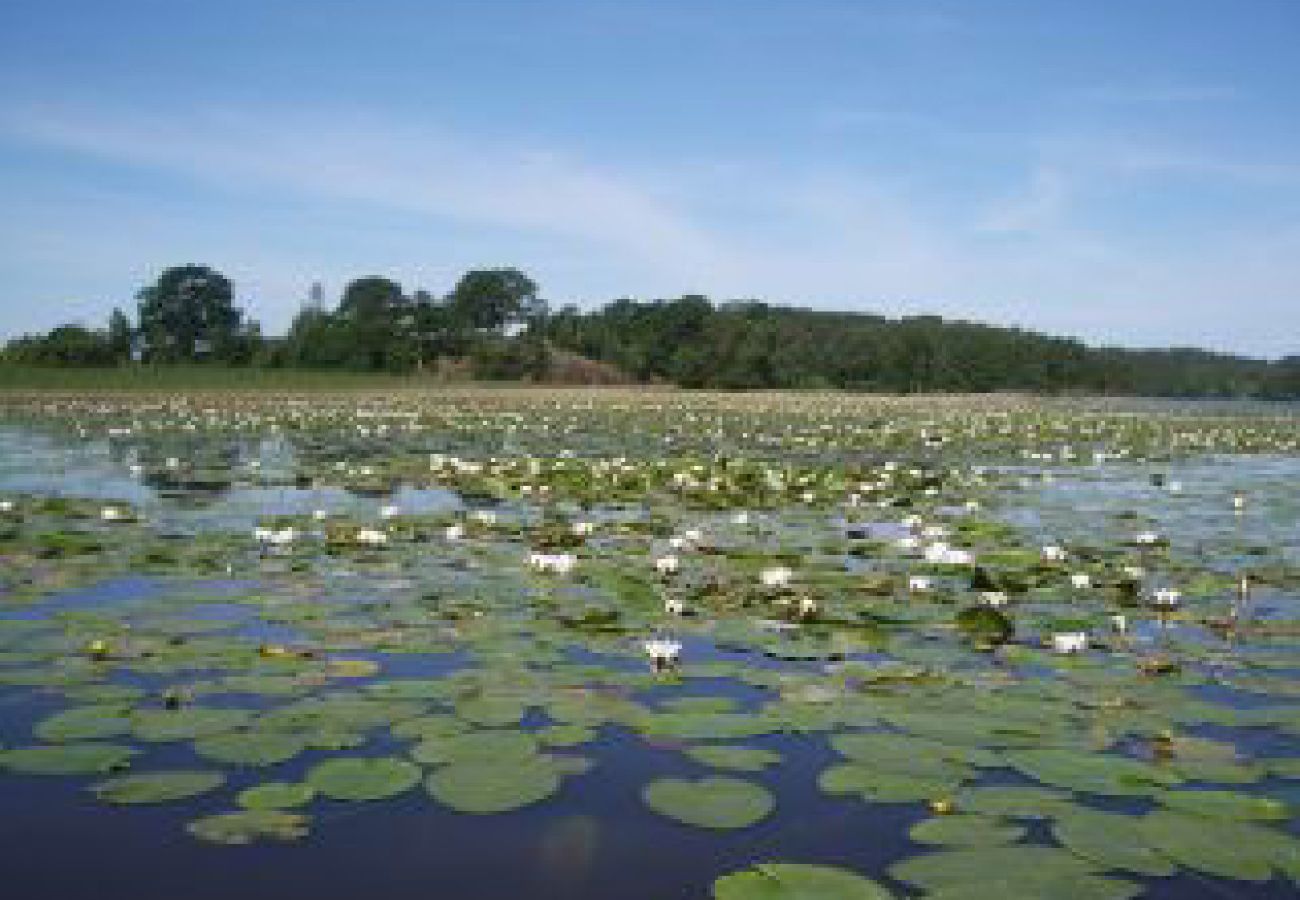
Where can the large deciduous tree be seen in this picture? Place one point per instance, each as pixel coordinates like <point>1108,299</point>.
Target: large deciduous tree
<point>188,314</point>
<point>492,298</point>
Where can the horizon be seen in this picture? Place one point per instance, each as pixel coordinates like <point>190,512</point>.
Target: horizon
<point>1123,176</point>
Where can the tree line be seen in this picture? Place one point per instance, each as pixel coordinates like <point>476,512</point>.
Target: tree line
<point>493,324</point>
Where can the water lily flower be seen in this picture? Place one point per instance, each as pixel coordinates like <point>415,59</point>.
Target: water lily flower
<point>372,537</point>
<point>993,598</point>
<point>1238,502</point>
<point>1053,553</point>
<point>1070,641</point>
<point>740,518</point>
<point>663,653</point>
<point>6,506</point>
<point>808,607</point>
<point>112,514</point>
<point>1134,572</point>
<point>556,563</point>
<point>484,516</point>
<point>918,584</point>
<point>1167,598</point>
<point>1146,538</point>
<point>667,565</point>
<point>675,606</point>
<point>389,511</point>
<point>320,515</point>
<point>775,577</point>
<point>454,532</point>
<point>1081,580</point>
<point>1119,622</point>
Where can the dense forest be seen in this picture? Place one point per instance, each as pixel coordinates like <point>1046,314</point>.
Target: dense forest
<point>494,325</point>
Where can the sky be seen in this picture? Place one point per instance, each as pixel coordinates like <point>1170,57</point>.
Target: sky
<point>1124,172</point>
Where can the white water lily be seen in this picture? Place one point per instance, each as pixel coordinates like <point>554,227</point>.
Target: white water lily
<point>1167,598</point>
<point>667,565</point>
<point>940,552</point>
<point>918,584</point>
<point>555,563</point>
<point>1070,641</point>
<point>993,598</point>
<point>1238,502</point>
<point>1053,553</point>
<point>675,606</point>
<point>1081,580</point>
<point>454,532</point>
<point>808,607</point>
<point>583,529</point>
<point>775,577</point>
<point>320,515</point>
<point>6,506</point>
<point>1146,538</point>
<point>907,543</point>
<point>740,518</point>
<point>372,537</point>
<point>663,652</point>
<point>389,511</point>
<point>484,516</point>
<point>1134,572</point>
<point>112,514</point>
<point>1119,622</point>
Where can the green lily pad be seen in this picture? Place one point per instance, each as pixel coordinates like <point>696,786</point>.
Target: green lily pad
<point>276,795</point>
<point>475,746</point>
<point>249,826</point>
<point>1110,840</point>
<point>84,723</point>
<point>716,802</point>
<point>1225,805</point>
<point>883,785</point>
<point>1015,801</point>
<point>187,723</point>
<point>797,881</point>
<point>67,759</point>
<point>1220,847</point>
<point>738,759</point>
<point>158,787</point>
<point>250,748</point>
<point>363,778</point>
<point>491,786</point>
<point>1018,871</point>
<point>966,830</point>
<point>1092,773</point>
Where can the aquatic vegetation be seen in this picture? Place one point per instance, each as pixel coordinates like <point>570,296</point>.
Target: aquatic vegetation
<point>967,616</point>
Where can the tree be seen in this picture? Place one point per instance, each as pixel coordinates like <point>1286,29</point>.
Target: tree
<point>120,336</point>
<point>492,298</point>
<point>380,324</point>
<point>189,314</point>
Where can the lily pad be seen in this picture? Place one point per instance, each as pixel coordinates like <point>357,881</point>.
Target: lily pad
<point>738,759</point>
<point>1092,773</point>
<point>797,881</point>
<point>1225,805</point>
<point>966,830</point>
<point>716,802</point>
<point>489,786</point>
<point>363,778</point>
<point>159,725</point>
<point>250,748</point>
<point>67,759</point>
<point>276,795</point>
<point>84,723</point>
<point>249,826</point>
<point>1019,871</point>
<point>1111,840</point>
<point>158,787</point>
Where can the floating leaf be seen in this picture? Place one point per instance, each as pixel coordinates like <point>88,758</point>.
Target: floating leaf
<point>716,802</point>
<point>363,778</point>
<point>1225,805</point>
<point>1110,840</point>
<point>250,825</point>
<point>1092,773</point>
<point>475,746</point>
<point>276,795</point>
<point>738,759</point>
<point>999,872</point>
<point>250,748</point>
<point>966,830</point>
<point>491,786</point>
<point>158,787</point>
<point>1219,847</point>
<point>67,759</point>
<point>187,723</point>
<point>796,881</point>
<point>84,723</point>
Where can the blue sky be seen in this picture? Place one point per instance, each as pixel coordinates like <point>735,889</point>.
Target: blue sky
<point>1127,172</point>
